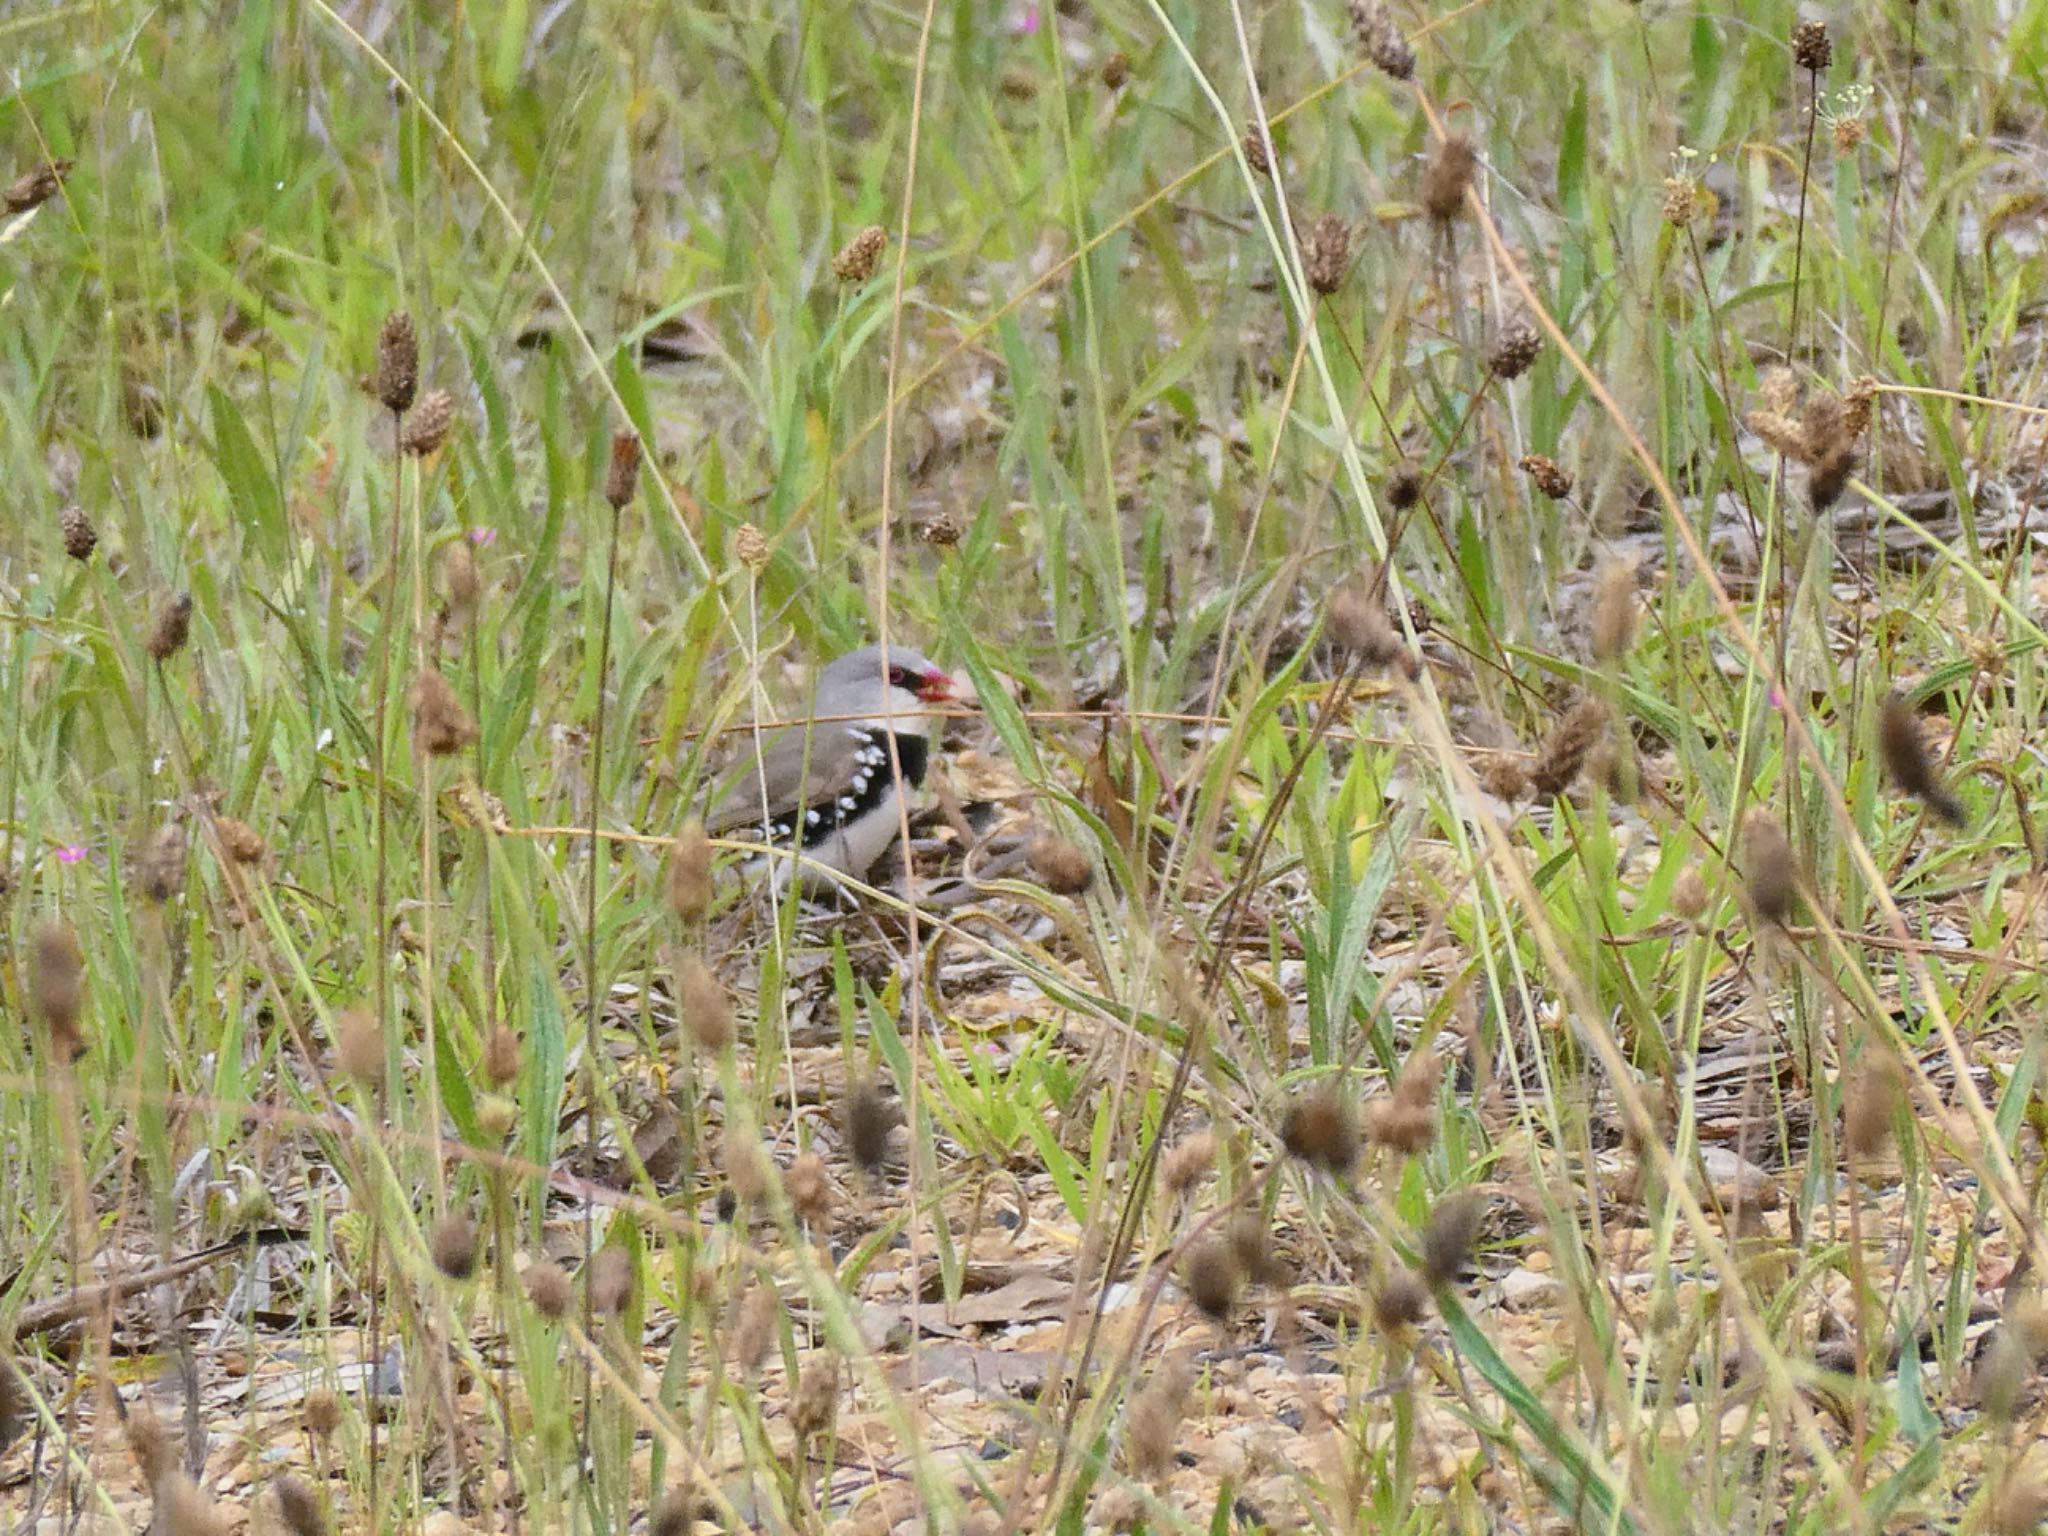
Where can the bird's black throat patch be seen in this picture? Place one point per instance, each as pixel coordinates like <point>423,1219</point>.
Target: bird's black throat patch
<point>872,779</point>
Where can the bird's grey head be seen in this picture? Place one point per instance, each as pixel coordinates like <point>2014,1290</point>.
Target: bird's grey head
<point>857,684</point>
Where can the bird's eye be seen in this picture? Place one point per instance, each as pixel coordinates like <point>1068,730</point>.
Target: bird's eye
<point>899,677</point>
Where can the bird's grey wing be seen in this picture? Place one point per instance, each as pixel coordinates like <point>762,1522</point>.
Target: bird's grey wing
<point>797,767</point>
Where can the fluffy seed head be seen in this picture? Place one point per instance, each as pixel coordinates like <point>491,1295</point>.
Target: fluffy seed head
<point>1447,177</point>
<point>676,1513</point>
<point>1690,895</point>
<point>459,576</point>
<point>610,1281</point>
<point>398,362</point>
<point>1400,1301</point>
<point>183,1510</point>
<point>33,188</point>
<point>501,1056</point>
<point>622,474</point>
<point>1448,1238</point>
<point>160,866</point>
<point>815,1404</point>
<point>2021,1500</point>
<point>1614,612</point>
<point>1403,486</point>
<point>1322,1130</point>
<point>1153,1424</point>
<point>689,873</point>
<point>1829,476</point>
<point>1909,762</point>
<point>750,546</point>
<point>753,1333</point>
<point>1771,874</point>
<point>1564,750</point>
<point>1811,49</point>
<point>810,1189</point>
<point>1515,350</point>
<point>1549,477</point>
<point>1326,254</point>
<point>1188,1162</point>
<point>81,538</point>
<point>548,1288</point>
<point>1871,1099</point>
<point>869,1118</point>
<point>1258,149</point>
<point>705,1007</point>
<point>1505,776</point>
<point>858,258</point>
<point>1116,69</point>
<point>57,985</point>
<point>1681,200</point>
<point>1381,39</point>
<point>359,1046</point>
<point>320,1413</point>
<point>156,1449</point>
<point>170,629</point>
<point>242,843</point>
<point>1358,622</point>
<point>298,1506</point>
<point>426,429</point>
<point>452,1245</point>
<point>441,725</point>
<point>1060,865</point>
<point>1212,1277</point>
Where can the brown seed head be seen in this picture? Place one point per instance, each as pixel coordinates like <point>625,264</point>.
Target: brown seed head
<point>754,1332</point>
<point>1514,351</point>
<point>858,258</point>
<point>80,537</point>
<point>622,475</point>
<point>689,872</point>
<point>1116,69</point>
<point>1564,750</point>
<point>1549,477</point>
<point>1447,177</point>
<point>1403,487</point>
<point>501,1056</point>
<point>183,1510</point>
<point>1060,865</point>
<point>1872,1097</point>
<point>441,725</point>
<point>320,1413</point>
<point>1614,612</point>
<point>1856,406</point>
<point>1400,1301</point>
<point>1811,50</point>
<point>1153,1424</point>
<point>1505,776</point>
<point>1358,622</point>
<point>1322,1130</point>
<point>610,1281</point>
<point>398,362</point>
<point>1850,132</point>
<point>242,843</point>
<point>426,429</point>
<point>706,1008</point>
<point>1188,1162</point>
<point>815,1403</point>
<point>452,1245</point>
<point>1381,39</point>
<point>1212,1277</point>
<point>810,1189</point>
<point>1253,1250</point>
<point>298,1506</point>
<point>157,1449</point>
<point>1258,149</point>
<point>677,1512</point>
<point>57,985</point>
<point>171,628</point>
<point>869,1117</point>
<point>160,866</point>
<point>1906,758</point>
<point>459,576</point>
<point>942,530</point>
<point>1448,1238</point>
<point>1326,254</point>
<point>1691,895</point>
<point>750,546</point>
<point>359,1046</point>
<point>33,188</point>
<point>2020,1502</point>
<point>1681,200</point>
<point>746,1169</point>
<point>548,1288</point>
<point>1771,874</point>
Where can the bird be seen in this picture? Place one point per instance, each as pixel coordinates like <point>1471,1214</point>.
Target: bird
<point>833,785</point>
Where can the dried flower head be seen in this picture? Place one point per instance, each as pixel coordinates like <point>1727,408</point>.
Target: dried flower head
<point>622,473</point>
<point>1564,750</point>
<point>858,258</point>
<point>242,843</point>
<point>1447,1239</point>
<point>1358,622</point>
<point>548,1288</point>
<point>1322,1130</point>
<point>1116,69</point>
<point>171,628</point>
<point>1911,765</point>
<point>677,1512</point>
<point>1152,1425</point>
<point>1381,39</point>
<point>1400,1301</point>
<point>705,1007</point>
<point>2020,1502</point>
<point>750,546</point>
<point>1614,612</point>
<point>1872,1096</point>
<point>1448,176</point>
<point>815,1403</point>
<point>157,1449</point>
<point>36,186</point>
<point>398,362</point>
<point>1547,475</point>
<point>755,1328</point>
<point>81,538</point>
<point>1404,1121</point>
<point>183,1509</point>
<point>441,725</point>
<point>1326,254</point>
<point>609,1281</point>
<point>1690,894</point>
<point>1060,865</point>
<point>1212,1277</point>
<point>1811,50</point>
<point>942,530</point>
<point>1187,1162</point>
<point>57,985</point>
<point>359,1046</point>
<point>160,866</point>
<point>1850,131</point>
<point>501,1056</point>
<point>868,1117</point>
<point>689,873</point>
<point>1857,402</point>
<point>1514,350</point>
<point>1771,875</point>
<point>426,429</point>
<point>1403,485</point>
<point>320,1413</point>
<point>459,576</point>
<point>1258,148</point>
<point>1681,200</point>
<point>452,1245</point>
<point>298,1507</point>
<point>810,1189</point>
<point>1504,775</point>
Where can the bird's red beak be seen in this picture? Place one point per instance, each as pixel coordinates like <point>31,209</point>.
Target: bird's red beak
<point>935,687</point>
